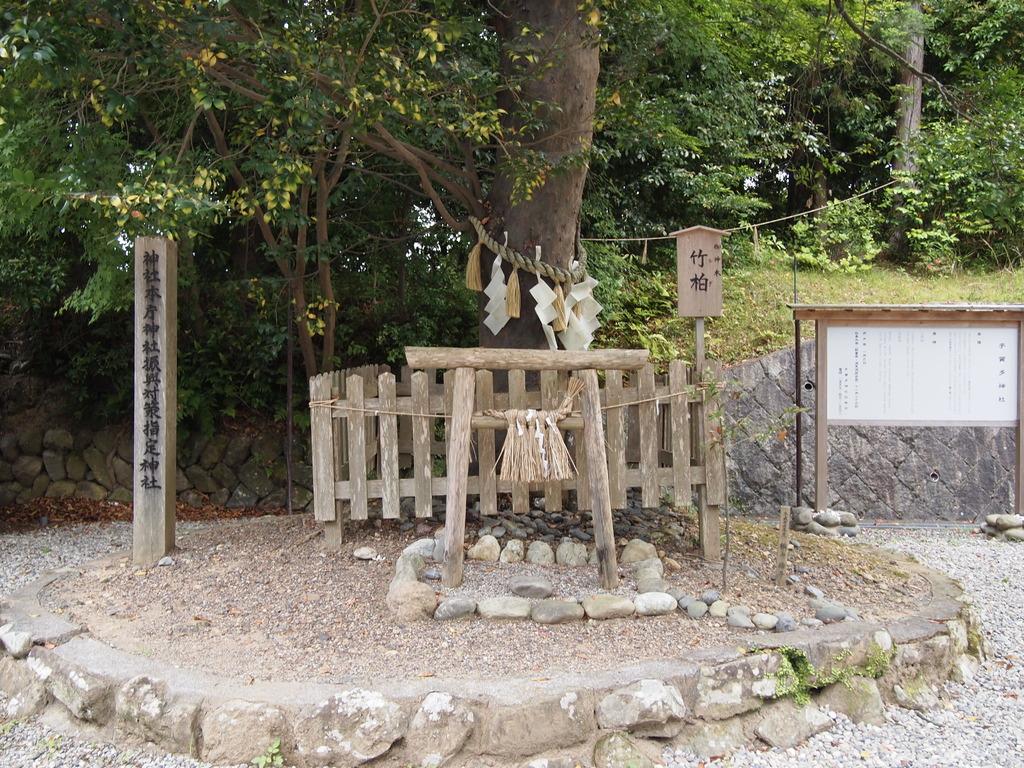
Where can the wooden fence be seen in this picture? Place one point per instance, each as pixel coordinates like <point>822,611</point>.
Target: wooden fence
<point>376,436</point>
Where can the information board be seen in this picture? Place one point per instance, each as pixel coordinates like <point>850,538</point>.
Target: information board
<point>922,374</point>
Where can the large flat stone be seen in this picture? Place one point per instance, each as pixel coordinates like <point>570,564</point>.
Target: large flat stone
<point>734,687</point>
<point>349,729</point>
<point>649,706</point>
<point>858,698</point>
<point>520,730</point>
<point>608,607</point>
<point>504,608</point>
<point>556,611</point>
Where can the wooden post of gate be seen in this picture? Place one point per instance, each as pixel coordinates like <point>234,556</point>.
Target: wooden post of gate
<point>458,473</point>
<point>600,496</point>
<point>156,398</point>
<point>699,283</point>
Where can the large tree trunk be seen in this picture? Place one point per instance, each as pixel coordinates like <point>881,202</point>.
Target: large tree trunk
<point>564,78</point>
<point>909,118</point>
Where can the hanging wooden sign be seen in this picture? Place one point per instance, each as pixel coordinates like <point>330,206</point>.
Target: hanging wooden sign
<point>699,271</point>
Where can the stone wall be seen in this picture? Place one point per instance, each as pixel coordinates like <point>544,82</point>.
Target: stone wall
<point>958,474</point>
<point>44,452</point>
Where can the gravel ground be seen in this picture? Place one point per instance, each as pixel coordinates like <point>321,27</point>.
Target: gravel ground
<point>250,600</point>
<point>983,721</point>
<point>981,725</point>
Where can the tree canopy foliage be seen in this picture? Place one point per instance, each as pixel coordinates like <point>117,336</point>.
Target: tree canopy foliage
<point>321,159</point>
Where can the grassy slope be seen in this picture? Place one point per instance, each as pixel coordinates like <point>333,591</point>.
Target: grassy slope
<point>756,320</point>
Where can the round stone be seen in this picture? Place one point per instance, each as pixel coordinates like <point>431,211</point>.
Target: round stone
<point>637,550</point>
<point>718,609</point>
<point>1006,522</point>
<point>830,612</point>
<point>812,591</point>
<point>536,587</point>
<point>1015,534</point>
<point>540,553</point>
<point>365,553</point>
<point>608,607</point>
<point>766,621</point>
<point>514,552</point>
<point>711,596</point>
<point>487,549</point>
<point>455,608</point>
<point>785,623</point>
<point>654,604</point>
<point>696,609</point>
<point>556,611</point>
<point>827,517</point>
<point>739,620</point>
<point>504,608</point>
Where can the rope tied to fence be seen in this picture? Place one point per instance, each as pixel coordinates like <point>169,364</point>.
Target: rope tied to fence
<point>337,403</point>
<point>534,449</point>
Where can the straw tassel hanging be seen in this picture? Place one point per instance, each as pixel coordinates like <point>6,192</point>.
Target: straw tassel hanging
<point>559,323</point>
<point>473,279</point>
<point>534,449</point>
<point>512,296</point>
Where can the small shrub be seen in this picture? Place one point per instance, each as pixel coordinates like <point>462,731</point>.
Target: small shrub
<point>840,238</point>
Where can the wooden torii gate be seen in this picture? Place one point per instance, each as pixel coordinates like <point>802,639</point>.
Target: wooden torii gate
<point>466,362</point>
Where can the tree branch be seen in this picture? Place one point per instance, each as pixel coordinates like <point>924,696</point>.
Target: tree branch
<point>896,56</point>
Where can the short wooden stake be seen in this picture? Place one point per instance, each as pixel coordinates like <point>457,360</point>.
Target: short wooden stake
<point>782,561</point>
<point>597,462</point>
<point>458,473</point>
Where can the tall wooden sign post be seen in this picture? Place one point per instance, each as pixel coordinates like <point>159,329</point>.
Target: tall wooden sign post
<point>699,281</point>
<point>156,398</point>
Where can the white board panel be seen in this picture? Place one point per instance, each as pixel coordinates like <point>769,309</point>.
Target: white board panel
<point>922,374</point>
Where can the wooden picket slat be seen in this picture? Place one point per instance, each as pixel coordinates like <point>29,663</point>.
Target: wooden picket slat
<point>648,439</point>
<point>421,459</point>
<point>403,388</point>
<point>517,399</point>
<point>323,453</point>
<point>550,399</point>
<point>357,447</point>
<point>388,446</point>
<point>616,437</point>
<point>485,447</point>
<point>680,427</point>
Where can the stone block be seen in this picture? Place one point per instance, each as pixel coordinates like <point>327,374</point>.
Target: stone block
<point>90,490</point>
<point>30,441</point>
<point>734,687</point>
<point>61,489</point>
<point>97,463</point>
<point>224,476</point>
<point>144,708</point>
<point>6,475</point>
<point>254,477</point>
<point>237,731</point>
<point>123,472</point>
<point>213,452</point>
<point>267,447</point>
<point>9,446</point>
<point>26,469</point>
<point>58,440</point>
<point>858,698</point>
<point>440,727</point>
<point>53,460</point>
<point>237,450</point>
<point>87,696</point>
<point>617,750</point>
<point>523,729</point>
<point>504,608</point>
<point>26,693</point>
<point>786,723</point>
<point>349,729</point>
<point>649,707</point>
<point>75,467</point>
<point>201,479</point>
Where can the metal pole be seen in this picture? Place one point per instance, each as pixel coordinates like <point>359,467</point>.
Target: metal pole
<point>698,345</point>
<point>798,390</point>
